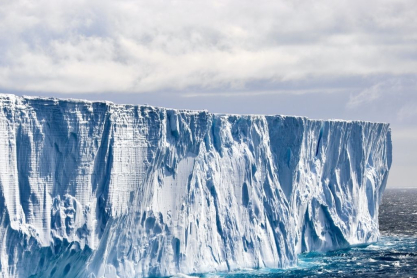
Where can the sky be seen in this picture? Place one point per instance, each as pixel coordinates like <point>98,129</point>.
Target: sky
<point>353,60</point>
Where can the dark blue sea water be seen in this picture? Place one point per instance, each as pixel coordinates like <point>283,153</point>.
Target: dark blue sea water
<point>395,255</point>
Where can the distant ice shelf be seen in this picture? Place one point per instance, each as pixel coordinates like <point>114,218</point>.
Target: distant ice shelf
<point>96,189</point>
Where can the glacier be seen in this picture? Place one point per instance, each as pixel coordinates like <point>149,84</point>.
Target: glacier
<point>97,189</point>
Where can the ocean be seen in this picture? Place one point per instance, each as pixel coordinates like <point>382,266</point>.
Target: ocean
<point>394,255</point>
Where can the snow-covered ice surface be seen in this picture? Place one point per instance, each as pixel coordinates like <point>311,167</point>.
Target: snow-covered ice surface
<point>96,189</point>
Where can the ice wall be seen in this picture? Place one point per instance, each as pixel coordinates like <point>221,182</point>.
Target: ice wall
<point>95,189</point>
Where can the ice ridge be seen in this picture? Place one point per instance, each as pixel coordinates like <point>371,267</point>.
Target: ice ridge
<point>96,189</point>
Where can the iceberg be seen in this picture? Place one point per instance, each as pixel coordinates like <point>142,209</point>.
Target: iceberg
<point>97,189</point>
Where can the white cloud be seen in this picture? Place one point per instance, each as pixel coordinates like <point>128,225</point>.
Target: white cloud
<point>367,95</point>
<point>407,111</point>
<point>142,46</point>
<point>238,93</point>
<point>400,86</point>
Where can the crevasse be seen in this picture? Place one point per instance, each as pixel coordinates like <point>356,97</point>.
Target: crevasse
<point>96,189</point>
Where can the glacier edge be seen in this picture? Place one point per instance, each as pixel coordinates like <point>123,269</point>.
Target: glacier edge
<point>95,189</point>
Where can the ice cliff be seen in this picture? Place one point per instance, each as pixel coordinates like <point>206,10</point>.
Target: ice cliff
<point>96,189</point>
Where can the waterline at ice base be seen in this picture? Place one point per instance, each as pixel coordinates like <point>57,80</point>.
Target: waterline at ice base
<point>96,189</point>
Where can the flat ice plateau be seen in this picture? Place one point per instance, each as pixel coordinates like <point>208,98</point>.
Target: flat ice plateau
<point>96,189</point>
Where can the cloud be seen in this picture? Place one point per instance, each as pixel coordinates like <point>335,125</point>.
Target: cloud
<point>145,46</point>
<point>367,95</point>
<point>407,111</point>
<point>399,87</point>
<point>262,92</point>
<point>374,92</point>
